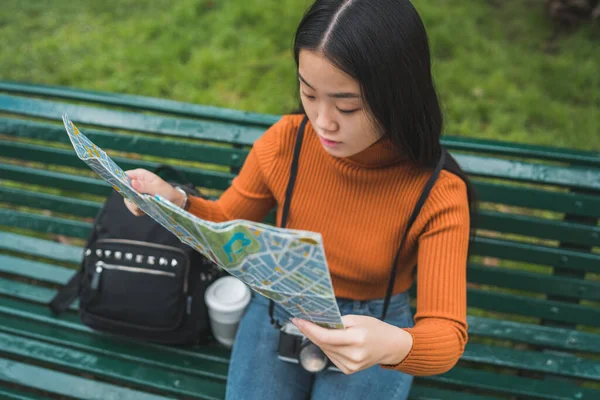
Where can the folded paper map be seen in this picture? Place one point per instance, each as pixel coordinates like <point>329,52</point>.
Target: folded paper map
<point>286,265</point>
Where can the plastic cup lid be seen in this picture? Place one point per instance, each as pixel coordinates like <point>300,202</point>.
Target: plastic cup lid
<point>227,294</point>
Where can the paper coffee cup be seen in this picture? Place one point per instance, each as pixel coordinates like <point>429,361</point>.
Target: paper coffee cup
<point>226,300</point>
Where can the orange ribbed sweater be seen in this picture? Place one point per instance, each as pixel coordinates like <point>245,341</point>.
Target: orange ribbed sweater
<point>361,205</point>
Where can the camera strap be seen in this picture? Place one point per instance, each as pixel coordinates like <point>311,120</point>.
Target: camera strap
<point>413,217</point>
<point>288,199</point>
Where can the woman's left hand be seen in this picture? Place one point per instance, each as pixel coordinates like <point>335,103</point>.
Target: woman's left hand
<point>365,342</point>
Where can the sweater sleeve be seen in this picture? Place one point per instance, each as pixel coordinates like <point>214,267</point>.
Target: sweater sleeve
<point>440,331</point>
<point>249,197</point>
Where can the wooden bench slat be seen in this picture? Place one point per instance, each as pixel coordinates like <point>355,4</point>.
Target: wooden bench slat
<point>539,308</point>
<point>42,154</point>
<point>566,365</point>
<point>144,103</point>
<point>56,180</point>
<point>50,202</point>
<point>203,178</point>
<point>120,371</point>
<point>190,360</point>
<point>522,150</point>
<point>153,146</point>
<point>39,271</point>
<point>423,392</point>
<point>520,171</point>
<point>13,394</point>
<point>185,361</point>
<point>534,282</point>
<point>69,321</point>
<point>538,227</point>
<point>24,291</point>
<point>60,383</point>
<point>513,385</point>
<point>543,336</point>
<point>40,247</point>
<point>44,223</point>
<point>536,254</point>
<point>131,121</point>
<point>528,197</point>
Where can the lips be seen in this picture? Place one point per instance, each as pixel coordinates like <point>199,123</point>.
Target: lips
<point>328,142</point>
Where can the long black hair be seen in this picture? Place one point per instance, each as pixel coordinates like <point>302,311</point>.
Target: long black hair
<point>383,45</point>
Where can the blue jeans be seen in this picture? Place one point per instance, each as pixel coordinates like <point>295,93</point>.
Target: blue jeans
<point>255,372</point>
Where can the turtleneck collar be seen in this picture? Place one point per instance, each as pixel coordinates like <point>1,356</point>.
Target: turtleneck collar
<point>380,154</point>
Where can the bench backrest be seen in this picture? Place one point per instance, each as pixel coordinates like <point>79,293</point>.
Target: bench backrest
<point>539,207</point>
<point>536,255</point>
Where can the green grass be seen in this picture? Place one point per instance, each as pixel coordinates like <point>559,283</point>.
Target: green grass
<point>496,73</point>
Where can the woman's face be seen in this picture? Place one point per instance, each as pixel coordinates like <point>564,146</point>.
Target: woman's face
<point>332,101</point>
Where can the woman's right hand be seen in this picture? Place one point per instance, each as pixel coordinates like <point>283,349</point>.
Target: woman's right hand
<point>144,181</point>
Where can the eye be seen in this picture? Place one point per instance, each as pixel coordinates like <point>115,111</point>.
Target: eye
<point>348,111</point>
<point>308,96</point>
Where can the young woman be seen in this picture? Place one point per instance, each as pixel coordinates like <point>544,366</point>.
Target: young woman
<point>370,145</point>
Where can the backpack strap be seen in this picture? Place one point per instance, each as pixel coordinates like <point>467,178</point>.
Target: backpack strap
<point>67,294</point>
<point>70,291</point>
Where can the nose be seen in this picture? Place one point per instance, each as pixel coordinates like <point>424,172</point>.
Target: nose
<point>325,120</point>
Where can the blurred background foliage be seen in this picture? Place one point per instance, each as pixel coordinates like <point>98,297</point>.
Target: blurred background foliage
<point>503,68</point>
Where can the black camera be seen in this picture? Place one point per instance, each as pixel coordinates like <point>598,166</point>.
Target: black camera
<point>296,348</point>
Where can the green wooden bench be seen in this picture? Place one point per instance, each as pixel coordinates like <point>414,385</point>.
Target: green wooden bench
<point>534,277</point>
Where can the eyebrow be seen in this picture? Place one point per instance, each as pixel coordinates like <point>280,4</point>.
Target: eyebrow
<point>341,95</point>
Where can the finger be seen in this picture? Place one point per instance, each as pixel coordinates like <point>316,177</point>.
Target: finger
<point>337,362</point>
<point>137,178</point>
<point>135,210</point>
<point>322,336</point>
<point>137,185</point>
<point>142,185</point>
<point>350,320</point>
<point>135,173</point>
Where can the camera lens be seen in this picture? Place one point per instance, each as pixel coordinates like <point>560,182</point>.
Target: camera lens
<point>312,357</point>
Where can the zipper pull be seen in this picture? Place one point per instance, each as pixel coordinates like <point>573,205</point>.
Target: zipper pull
<point>189,305</point>
<point>96,278</point>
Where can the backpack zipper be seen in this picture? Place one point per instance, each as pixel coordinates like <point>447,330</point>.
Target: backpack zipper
<point>157,246</point>
<point>101,265</point>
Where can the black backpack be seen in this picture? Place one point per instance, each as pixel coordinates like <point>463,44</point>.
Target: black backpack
<point>139,280</point>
